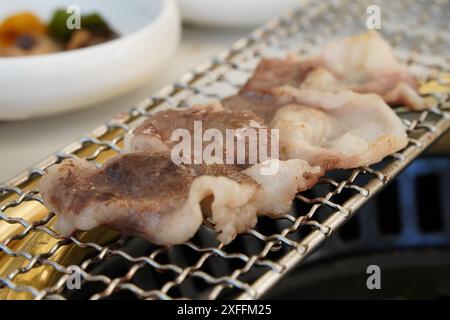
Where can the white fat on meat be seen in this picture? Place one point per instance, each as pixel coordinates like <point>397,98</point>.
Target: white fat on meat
<point>364,63</point>
<point>232,208</point>
<point>337,130</point>
<point>279,187</point>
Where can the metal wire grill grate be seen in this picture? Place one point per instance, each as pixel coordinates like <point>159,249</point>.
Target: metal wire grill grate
<point>36,262</point>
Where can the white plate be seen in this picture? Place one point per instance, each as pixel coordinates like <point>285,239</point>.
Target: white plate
<point>58,82</point>
<point>233,13</point>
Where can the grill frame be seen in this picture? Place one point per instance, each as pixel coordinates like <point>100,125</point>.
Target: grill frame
<point>25,263</point>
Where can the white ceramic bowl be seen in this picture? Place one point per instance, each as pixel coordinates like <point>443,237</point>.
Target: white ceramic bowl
<point>233,13</point>
<point>33,86</point>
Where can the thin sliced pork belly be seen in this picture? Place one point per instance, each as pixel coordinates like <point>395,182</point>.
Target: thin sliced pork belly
<point>262,104</point>
<point>278,181</point>
<point>146,195</point>
<point>135,194</point>
<point>363,63</point>
<point>273,72</point>
<point>234,198</point>
<point>156,133</point>
<point>363,58</point>
<point>337,130</point>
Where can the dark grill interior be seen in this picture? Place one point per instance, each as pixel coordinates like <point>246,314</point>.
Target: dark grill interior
<point>410,211</point>
<point>405,230</point>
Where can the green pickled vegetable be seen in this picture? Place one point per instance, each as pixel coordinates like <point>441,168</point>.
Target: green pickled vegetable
<point>94,22</point>
<point>57,27</point>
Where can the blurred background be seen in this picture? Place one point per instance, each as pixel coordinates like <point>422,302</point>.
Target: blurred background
<point>207,28</point>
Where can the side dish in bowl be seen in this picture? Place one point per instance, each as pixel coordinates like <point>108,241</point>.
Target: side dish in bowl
<point>25,33</point>
<point>120,46</point>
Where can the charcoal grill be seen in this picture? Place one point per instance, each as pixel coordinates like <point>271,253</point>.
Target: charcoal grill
<point>35,261</point>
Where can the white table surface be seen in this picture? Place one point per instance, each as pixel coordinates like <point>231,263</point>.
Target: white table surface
<point>24,143</point>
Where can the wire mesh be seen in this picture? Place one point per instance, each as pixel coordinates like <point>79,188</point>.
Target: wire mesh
<point>36,262</point>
